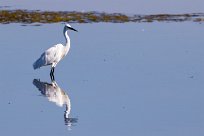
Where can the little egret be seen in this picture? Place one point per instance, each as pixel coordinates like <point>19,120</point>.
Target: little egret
<point>54,54</point>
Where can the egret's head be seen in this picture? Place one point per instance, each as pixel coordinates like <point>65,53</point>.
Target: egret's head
<point>68,27</point>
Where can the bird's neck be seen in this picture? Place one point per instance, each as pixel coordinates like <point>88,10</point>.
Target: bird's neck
<point>67,39</point>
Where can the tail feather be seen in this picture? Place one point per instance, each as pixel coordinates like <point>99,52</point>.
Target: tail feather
<point>39,63</point>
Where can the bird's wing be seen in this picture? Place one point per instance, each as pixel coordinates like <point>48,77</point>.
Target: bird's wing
<point>40,62</point>
<point>50,56</point>
<point>53,54</point>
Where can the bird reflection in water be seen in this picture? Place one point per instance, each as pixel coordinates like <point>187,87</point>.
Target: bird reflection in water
<point>55,94</point>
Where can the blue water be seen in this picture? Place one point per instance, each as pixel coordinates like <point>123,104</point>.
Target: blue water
<point>121,6</point>
<point>121,79</point>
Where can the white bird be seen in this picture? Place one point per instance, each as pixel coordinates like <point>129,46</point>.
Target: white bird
<point>54,54</point>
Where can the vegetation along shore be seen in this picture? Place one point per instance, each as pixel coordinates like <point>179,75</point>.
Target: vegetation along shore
<point>36,16</point>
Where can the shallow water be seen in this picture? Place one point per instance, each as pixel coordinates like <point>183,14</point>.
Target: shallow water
<point>121,6</point>
<point>120,79</point>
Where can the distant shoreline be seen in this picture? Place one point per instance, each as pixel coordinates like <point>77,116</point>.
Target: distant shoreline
<point>36,16</point>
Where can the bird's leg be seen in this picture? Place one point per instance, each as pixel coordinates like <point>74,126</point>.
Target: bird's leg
<point>52,78</point>
<point>51,72</point>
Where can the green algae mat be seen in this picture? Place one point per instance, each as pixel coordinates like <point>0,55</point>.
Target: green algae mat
<point>36,16</point>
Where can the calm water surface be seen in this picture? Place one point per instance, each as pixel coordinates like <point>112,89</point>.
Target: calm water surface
<point>121,6</point>
<point>142,79</point>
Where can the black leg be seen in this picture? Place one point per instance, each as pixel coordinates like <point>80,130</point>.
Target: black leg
<point>52,73</point>
<point>53,77</point>
<point>53,70</point>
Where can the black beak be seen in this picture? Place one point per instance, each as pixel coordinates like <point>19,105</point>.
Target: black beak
<point>73,29</point>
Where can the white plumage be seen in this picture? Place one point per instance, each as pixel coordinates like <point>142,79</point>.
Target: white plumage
<point>54,54</point>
